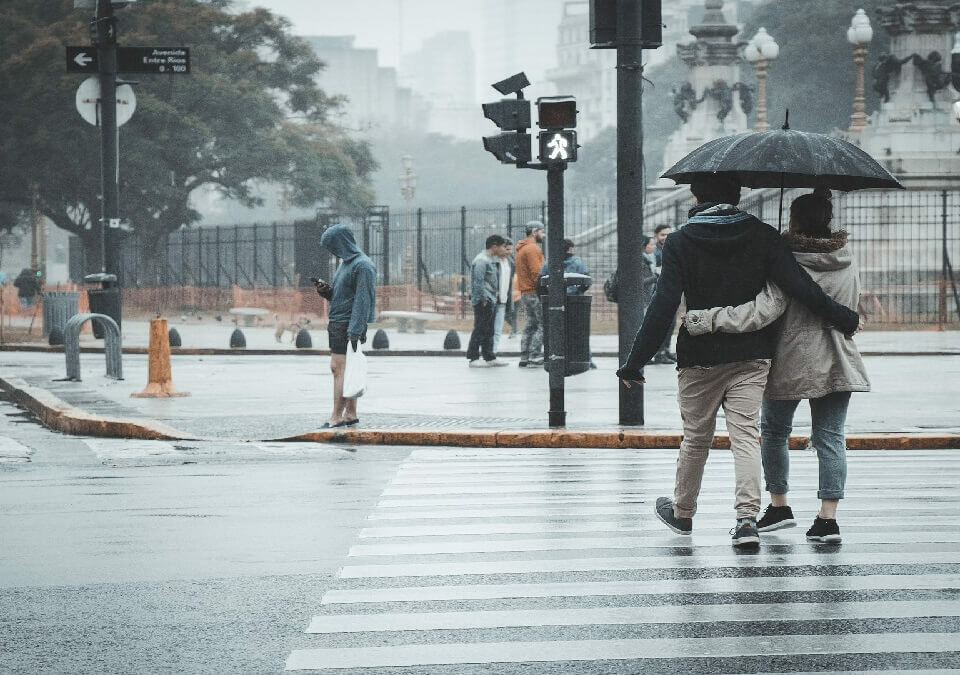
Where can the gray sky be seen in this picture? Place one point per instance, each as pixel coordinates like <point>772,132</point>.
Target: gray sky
<point>381,24</point>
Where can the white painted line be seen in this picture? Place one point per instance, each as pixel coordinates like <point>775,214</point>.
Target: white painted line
<point>626,497</point>
<point>733,560</point>
<point>736,585</point>
<point>627,541</point>
<point>578,510</point>
<point>540,487</point>
<point>644,523</point>
<point>595,650</point>
<point>619,616</point>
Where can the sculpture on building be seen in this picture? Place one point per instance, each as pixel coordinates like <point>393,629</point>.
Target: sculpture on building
<point>746,96</point>
<point>684,100</point>
<point>888,66</point>
<point>723,95</point>
<point>932,69</point>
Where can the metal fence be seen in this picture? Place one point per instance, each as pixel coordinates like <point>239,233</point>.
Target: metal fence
<point>905,242</point>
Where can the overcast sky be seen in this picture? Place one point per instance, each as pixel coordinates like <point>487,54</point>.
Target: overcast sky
<point>382,24</point>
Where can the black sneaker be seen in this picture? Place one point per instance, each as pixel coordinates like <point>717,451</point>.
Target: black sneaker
<point>745,534</point>
<point>825,531</point>
<point>522,364</point>
<point>664,512</point>
<point>776,518</point>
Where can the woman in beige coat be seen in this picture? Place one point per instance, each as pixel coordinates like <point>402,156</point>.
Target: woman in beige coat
<point>813,361</point>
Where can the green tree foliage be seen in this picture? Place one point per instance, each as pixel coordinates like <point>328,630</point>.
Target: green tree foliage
<point>249,113</point>
<point>814,75</point>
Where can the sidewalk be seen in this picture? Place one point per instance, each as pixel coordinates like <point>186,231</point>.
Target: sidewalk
<point>208,333</point>
<point>431,400</point>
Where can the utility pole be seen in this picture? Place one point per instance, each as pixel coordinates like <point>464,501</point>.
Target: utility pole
<point>630,184</point>
<point>556,320</point>
<point>104,31</point>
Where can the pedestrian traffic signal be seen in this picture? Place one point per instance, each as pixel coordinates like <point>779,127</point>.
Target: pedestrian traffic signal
<point>558,146</point>
<point>557,112</point>
<point>603,24</point>
<point>513,116</point>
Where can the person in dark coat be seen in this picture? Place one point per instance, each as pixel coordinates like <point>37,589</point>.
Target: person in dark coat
<point>722,256</point>
<point>28,285</point>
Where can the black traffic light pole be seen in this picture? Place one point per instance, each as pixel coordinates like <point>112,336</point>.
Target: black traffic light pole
<point>629,194</point>
<point>556,298</point>
<point>109,188</point>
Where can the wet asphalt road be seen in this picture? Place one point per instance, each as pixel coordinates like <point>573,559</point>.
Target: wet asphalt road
<point>167,557</point>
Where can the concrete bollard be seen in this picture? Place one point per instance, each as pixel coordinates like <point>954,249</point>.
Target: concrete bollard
<point>237,340</point>
<point>304,341</point>
<point>452,340</point>
<point>380,339</point>
<point>174,338</point>
<point>159,378</point>
<point>56,337</point>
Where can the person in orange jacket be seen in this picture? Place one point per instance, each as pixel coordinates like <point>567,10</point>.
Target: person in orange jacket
<point>528,262</point>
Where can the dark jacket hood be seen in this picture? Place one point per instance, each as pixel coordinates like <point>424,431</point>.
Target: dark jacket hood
<point>340,242</point>
<point>718,226</point>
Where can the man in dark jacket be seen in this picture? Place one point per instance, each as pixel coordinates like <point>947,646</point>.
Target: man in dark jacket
<point>722,257</point>
<point>353,301</point>
<point>28,285</point>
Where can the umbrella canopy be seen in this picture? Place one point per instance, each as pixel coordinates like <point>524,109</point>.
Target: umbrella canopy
<point>785,158</point>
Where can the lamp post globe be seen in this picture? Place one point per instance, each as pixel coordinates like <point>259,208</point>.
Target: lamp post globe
<point>859,34</point>
<point>760,51</point>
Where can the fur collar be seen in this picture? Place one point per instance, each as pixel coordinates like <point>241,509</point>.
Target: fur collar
<point>799,243</point>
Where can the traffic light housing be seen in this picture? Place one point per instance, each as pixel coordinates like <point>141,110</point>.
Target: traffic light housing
<point>512,115</point>
<point>509,148</point>
<point>557,116</point>
<point>603,24</point>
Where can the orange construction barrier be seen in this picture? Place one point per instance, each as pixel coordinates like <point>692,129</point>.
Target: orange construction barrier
<point>159,379</point>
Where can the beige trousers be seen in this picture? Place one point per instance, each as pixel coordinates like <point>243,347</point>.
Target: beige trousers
<point>738,387</point>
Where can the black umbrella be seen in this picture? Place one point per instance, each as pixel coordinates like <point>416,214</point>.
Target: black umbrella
<point>785,158</point>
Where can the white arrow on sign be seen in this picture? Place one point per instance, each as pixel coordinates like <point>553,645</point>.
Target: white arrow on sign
<point>83,60</point>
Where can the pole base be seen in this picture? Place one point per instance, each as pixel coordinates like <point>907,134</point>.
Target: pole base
<point>159,390</point>
<point>557,418</point>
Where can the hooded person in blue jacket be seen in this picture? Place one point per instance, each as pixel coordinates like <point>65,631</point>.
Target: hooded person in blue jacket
<point>353,301</point>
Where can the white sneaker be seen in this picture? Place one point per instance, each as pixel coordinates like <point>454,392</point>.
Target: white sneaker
<point>479,363</point>
<point>496,363</point>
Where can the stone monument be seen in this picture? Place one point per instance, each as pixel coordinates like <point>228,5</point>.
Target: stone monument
<point>915,133</point>
<point>713,102</point>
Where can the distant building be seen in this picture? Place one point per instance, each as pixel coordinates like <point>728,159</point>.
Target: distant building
<point>374,100</point>
<point>443,73</point>
<point>518,35</point>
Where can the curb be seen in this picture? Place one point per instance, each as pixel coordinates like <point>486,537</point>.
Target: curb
<point>55,414</point>
<point>459,353</point>
<point>58,415</point>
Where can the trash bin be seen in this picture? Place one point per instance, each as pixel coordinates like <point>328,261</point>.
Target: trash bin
<point>58,307</point>
<point>103,300</point>
<point>577,311</point>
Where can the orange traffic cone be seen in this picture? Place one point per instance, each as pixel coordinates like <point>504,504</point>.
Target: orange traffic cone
<point>160,384</point>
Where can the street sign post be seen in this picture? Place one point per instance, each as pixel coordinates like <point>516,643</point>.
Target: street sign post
<point>138,60</point>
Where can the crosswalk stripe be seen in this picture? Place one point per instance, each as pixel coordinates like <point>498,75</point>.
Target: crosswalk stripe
<point>628,541</point>
<point>775,584</point>
<point>639,524</point>
<point>465,568</point>
<point>582,616</point>
<point>615,508</point>
<point>580,487</point>
<point>596,650</point>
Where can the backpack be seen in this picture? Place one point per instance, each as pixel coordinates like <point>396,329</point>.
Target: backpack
<point>611,287</point>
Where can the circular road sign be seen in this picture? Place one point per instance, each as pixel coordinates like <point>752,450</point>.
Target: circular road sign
<point>88,101</point>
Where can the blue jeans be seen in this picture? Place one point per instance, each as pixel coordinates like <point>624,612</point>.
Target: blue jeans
<point>829,415</point>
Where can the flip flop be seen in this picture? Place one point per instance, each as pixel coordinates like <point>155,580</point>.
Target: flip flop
<point>351,423</point>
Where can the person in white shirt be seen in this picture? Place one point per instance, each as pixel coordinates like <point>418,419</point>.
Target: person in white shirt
<point>504,293</point>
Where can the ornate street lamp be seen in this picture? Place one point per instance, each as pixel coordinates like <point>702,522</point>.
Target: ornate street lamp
<point>859,35</point>
<point>408,180</point>
<point>760,51</point>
